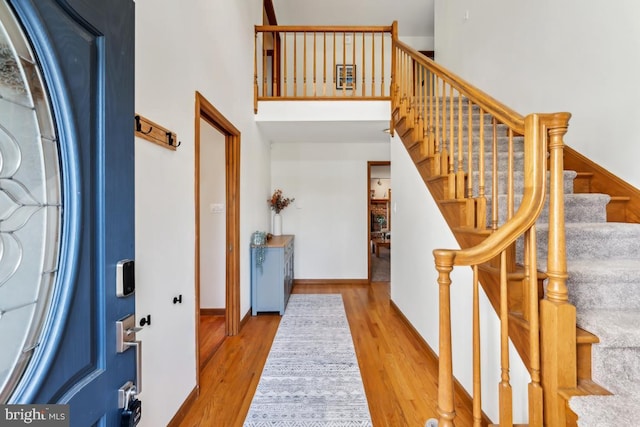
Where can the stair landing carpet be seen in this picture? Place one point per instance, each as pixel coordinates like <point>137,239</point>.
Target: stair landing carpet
<point>311,377</point>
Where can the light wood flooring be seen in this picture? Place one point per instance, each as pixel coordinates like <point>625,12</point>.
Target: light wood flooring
<point>399,374</point>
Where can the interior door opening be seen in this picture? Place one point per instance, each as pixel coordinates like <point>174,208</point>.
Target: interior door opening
<point>379,220</point>
<point>217,219</point>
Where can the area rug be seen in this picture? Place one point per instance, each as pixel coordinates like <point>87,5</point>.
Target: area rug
<point>311,377</point>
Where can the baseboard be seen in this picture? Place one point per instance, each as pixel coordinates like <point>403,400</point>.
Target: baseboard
<point>459,391</point>
<point>330,282</point>
<point>245,318</point>
<point>212,311</point>
<point>185,407</point>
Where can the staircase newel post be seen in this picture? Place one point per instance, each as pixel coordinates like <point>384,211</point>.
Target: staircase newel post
<point>557,315</point>
<point>446,408</point>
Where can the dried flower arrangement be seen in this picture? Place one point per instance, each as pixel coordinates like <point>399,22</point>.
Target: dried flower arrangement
<point>277,202</point>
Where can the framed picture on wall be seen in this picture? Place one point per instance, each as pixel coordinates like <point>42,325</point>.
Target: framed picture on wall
<point>345,76</point>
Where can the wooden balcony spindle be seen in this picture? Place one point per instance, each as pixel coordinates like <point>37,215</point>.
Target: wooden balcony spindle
<point>275,64</point>
<point>477,370</point>
<point>315,49</point>
<point>284,65</point>
<point>344,63</point>
<point>431,129</point>
<point>255,73</point>
<point>353,52</point>
<point>324,63</point>
<point>295,64</point>
<point>373,64</point>
<point>363,68</point>
<point>382,91</point>
<point>304,64</point>
<point>264,66</point>
<point>446,408</point>
<point>505,392</point>
<point>335,68</point>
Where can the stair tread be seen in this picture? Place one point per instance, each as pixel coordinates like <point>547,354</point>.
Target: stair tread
<point>585,388</point>
<point>615,328</point>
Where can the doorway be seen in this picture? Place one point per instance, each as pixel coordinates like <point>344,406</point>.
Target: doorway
<point>379,220</point>
<point>217,223</point>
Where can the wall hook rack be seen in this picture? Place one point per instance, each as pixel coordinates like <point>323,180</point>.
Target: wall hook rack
<point>178,299</point>
<point>155,133</point>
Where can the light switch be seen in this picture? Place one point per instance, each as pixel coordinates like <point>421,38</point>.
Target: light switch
<point>216,207</point>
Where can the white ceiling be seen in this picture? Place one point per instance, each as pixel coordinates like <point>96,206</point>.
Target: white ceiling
<point>415,19</point>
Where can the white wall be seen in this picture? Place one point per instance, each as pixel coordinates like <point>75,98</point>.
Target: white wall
<point>418,229</point>
<point>182,47</point>
<point>564,55</point>
<point>212,217</point>
<point>329,216</point>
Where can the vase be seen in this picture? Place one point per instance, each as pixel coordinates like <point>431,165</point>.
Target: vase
<point>277,225</point>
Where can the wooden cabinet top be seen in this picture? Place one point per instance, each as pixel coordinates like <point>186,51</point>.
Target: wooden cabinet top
<point>279,241</point>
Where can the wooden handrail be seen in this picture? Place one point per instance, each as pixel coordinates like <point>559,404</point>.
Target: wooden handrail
<point>498,110</point>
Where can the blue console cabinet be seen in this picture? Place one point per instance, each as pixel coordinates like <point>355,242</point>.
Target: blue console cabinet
<point>271,283</point>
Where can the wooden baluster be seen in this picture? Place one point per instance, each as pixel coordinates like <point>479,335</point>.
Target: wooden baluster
<point>324,63</point>
<point>363,71</point>
<point>284,64</point>
<point>446,408</point>
<point>275,64</point>
<point>373,63</point>
<point>295,65</point>
<point>436,157</point>
<point>505,392</point>
<point>314,64</point>
<point>477,371</point>
<point>264,66</point>
<point>344,64</point>
<point>425,150</point>
<point>494,173</point>
<point>481,203</point>
<point>531,280</point>
<point>451,165</point>
<point>395,28</point>
<point>304,65</point>
<point>557,316</point>
<point>431,130</point>
<point>471,214</point>
<point>444,158</point>
<point>255,73</point>
<point>335,68</point>
<point>353,50</point>
<point>460,168</point>
<point>510,182</point>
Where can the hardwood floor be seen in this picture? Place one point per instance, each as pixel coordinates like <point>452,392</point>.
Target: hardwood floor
<point>399,375</point>
<point>212,334</point>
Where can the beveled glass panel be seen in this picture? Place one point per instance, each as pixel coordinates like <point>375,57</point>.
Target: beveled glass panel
<point>30,203</point>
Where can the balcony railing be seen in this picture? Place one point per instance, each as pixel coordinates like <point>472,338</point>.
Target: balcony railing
<point>322,63</point>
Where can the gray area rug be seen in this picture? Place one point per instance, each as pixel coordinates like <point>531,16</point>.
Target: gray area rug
<point>381,266</point>
<point>311,377</point>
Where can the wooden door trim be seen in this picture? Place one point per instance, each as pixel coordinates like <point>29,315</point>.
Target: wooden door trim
<point>206,111</point>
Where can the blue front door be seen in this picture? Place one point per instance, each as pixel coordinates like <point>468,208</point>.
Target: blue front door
<point>85,51</point>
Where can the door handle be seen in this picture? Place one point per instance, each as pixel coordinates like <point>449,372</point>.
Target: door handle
<point>125,338</point>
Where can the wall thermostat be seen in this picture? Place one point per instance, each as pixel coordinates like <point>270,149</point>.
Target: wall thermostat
<point>125,278</point>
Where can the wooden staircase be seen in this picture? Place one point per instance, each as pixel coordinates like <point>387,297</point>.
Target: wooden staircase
<point>435,114</point>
